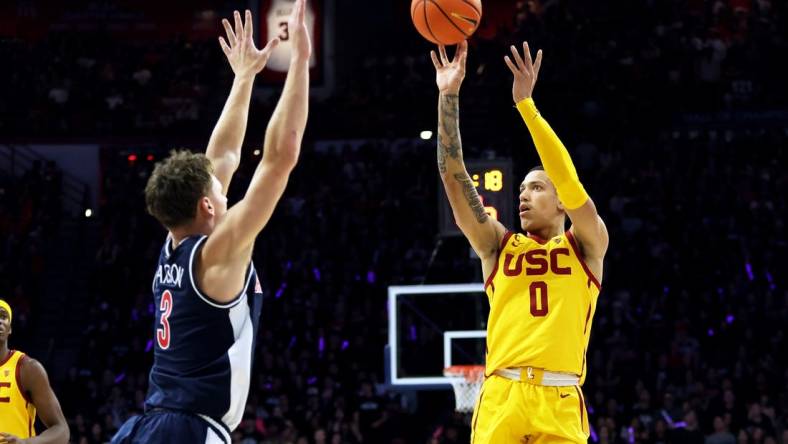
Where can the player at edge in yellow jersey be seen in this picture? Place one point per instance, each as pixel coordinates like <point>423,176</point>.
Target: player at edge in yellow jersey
<point>24,389</point>
<point>542,285</point>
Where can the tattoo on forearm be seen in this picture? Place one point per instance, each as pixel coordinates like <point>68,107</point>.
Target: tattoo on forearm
<point>448,130</point>
<point>441,159</point>
<point>472,197</point>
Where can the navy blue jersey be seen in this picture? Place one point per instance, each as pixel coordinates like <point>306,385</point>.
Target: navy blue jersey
<point>169,427</point>
<point>203,349</point>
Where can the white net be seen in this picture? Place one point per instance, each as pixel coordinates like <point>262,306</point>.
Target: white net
<point>466,380</point>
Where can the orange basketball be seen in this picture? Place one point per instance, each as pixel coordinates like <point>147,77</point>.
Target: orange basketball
<point>446,22</point>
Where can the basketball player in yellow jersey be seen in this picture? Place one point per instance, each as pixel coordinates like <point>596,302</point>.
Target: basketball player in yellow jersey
<point>24,389</point>
<point>542,284</point>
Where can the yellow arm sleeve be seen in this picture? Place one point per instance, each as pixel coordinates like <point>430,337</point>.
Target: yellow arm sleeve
<point>555,158</point>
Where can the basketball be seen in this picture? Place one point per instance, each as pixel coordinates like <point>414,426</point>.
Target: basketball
<point>446,22</point>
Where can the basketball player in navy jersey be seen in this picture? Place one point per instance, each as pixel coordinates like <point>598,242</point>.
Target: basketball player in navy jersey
<point>206,293</point>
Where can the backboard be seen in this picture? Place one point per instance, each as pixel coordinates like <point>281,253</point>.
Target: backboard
<point>432,327</point>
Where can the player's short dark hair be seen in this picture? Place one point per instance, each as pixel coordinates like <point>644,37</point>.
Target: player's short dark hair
<point>536,168</point>
<point>176,185</point>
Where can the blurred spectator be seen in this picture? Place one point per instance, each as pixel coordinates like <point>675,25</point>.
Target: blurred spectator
<point>721,434</point>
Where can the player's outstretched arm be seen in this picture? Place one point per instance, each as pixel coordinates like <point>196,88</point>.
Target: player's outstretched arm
<point>224,146</point>
<point>587,226</point>
<point>34,380</point>
<point>229,248</point>
<point>285,130</point>
<point>483,232</point>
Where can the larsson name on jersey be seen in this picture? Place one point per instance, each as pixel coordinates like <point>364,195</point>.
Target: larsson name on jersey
<point>171,275</point>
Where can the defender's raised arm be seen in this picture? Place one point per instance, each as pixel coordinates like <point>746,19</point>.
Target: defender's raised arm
<point>229,248</point>
<point>224,146</point>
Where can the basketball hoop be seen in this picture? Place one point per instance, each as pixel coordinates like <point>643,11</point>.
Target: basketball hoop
<point>466,380</point>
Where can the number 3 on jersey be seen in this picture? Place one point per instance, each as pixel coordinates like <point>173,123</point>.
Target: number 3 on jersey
<point>163,333</point>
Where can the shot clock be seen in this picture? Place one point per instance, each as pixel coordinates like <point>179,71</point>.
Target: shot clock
<point>493,181</point>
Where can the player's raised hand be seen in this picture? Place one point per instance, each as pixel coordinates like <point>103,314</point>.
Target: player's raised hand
<point>525,72</point>
<point>449,74</point>
<point>244,57</point>
<point>296,24</point>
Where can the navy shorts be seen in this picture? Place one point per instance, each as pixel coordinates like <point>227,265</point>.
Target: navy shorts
<point>171,427</point>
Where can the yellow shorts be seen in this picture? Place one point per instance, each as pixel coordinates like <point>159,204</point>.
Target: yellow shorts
<point>519,412</point>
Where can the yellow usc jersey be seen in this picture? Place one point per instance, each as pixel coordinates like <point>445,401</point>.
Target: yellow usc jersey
<point>17,413</point>
<point>542,301</point>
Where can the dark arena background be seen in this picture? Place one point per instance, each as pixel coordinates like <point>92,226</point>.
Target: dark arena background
<point>675,113</point>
